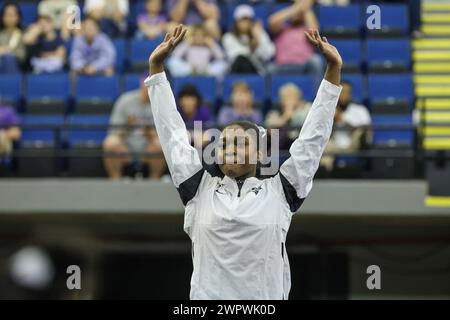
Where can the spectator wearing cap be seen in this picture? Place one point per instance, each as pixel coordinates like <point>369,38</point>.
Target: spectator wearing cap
<point>194,12</point>
<point>198,55</point>
<point>137,136</point>
<point>92,51</point>
<point>248,46</point>
<point>241,107</point>
<point>294,53</point>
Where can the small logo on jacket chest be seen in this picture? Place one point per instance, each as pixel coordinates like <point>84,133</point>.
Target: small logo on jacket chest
<point>256,190</point>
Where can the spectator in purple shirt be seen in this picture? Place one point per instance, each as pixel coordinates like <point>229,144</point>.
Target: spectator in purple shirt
<point>92,52</point>
<point>9,131</point>
<point>152,23</point>
<point>193,12</point>
<point>191,110</point>
<point>242,107</point>
<point>200,54</point>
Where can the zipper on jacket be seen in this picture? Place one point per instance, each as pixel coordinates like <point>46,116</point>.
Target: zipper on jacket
<point>240,183</point>
<point>282,249</point>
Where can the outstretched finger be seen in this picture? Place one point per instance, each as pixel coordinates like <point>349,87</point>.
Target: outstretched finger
<point>176,31</point>
<point>325,39</point>
<point>310,38</point>
<point>167,37</point>
<point>180,35</point>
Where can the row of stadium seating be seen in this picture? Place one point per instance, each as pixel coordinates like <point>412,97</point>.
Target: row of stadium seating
<point>54,93</point>
<point>90,130</point>
<point>341,21</point>
<point>373,55</point>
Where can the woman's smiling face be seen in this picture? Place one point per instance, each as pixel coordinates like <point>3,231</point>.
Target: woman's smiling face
<point>237,152</point>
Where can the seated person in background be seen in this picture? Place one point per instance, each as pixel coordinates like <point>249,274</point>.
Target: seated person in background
<point>242,107</point>
<point>48,52</point>
<point>248,46</point>
<point>111,15</point>
<point>294,53</point>
<point>57,11</point>
<point>191,110</point>
<point>350,131</point>
<point>9,132</point>
<point>12,49</point>
<point>200,55</point>
<point>333,2</point>
<point>152,23</point>
<point>132,108</point>
<point>292,112</point>
<point>194,12</point>
<point>92,51</point>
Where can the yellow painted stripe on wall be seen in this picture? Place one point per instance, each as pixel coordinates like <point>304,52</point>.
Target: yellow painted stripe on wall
<point>433,201</point>
<point>436,143</point>
<point>419,79</point>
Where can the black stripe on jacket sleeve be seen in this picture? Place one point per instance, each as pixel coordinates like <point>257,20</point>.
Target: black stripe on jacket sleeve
<point>188,188</point>
<point>291,194</point>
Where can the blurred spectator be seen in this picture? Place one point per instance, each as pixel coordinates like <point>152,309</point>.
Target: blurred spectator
<point>57,11</point>
<point>200,54</point>
<point>294,53</point>
<point>190,106</point>
<point>111,15</point>
<point>292,112</point>
<point>47,47</point>
<point>194,12</point>
<point>350,131</point>
<point>248,46</point>
<point>9,130</point>
<point>133,109</point>
<point>12,49</point>
<point>92,51</point>
<point>242,107</point>
<point>152,23</point>
<point>333,2</point>
<point>191,110</point>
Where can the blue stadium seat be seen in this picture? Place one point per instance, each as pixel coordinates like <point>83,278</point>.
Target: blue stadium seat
<point>136,8</point>
<point>29,13</point>
<point>47,93</point>
<point>88,136</point>
<point>40,135</point>
<point>10,88</point>
<point>38,146</point>
<point>261,13</point>
<point>207,87</point>
<point>119,44</point>
<point>394,21</point>
<point>351,52</point>
<point>255,82</point>
<point>140,51</point>
<point>131,82</point>
<point>358,86</point>
<point>391,55</point>
<point>306,84</point>
<point>96,95</point>
<point>393,137</point>
<point>340,21</point>
<point>390,93</point>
